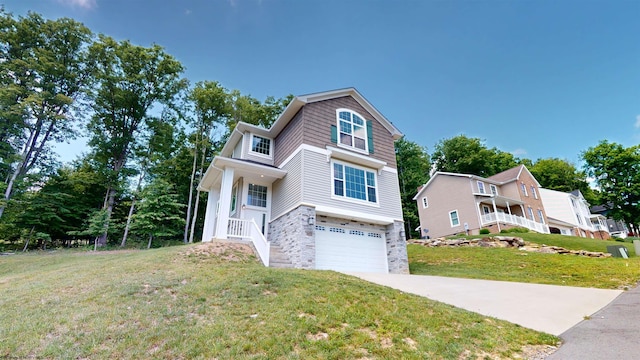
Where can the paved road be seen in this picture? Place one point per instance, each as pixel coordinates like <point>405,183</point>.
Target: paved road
<point>613,333</point>
<point>549,308</point>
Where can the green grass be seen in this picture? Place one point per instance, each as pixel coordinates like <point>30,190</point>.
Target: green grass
<point>510,264</point>
<point>164,304</point>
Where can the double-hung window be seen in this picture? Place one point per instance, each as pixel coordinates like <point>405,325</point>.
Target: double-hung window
<point>453,217</point>
<point>494,189</point>
<point>524,189</point>
<point>425,203</point>
<point>480,187</point>
<point>260,145</point>
<point>352,130</point>
<point>354,183</point>
<point>541,216</point>
<point>534,192</point>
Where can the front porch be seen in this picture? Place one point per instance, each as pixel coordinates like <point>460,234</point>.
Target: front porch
<point>506,212</point>
<point>509,219</point>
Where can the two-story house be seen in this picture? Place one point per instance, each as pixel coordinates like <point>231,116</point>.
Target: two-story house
<point>320,184</point>
<point>453,203</point>
<point>569,214</point>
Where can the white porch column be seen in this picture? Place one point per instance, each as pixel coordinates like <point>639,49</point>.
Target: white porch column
<point>495,211</point>
<point>210,215</point>
<point>222,221</point>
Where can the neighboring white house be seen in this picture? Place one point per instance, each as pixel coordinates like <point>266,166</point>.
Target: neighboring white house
<point>568,214</point>
<point>320,186</point>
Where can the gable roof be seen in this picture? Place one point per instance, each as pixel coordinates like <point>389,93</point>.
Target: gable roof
<point>299,101</point>
<point>512,174</point>
<point>501,178</point>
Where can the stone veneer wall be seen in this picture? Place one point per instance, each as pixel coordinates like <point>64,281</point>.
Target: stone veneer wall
<point>397,248</point>
<point>295,236</point>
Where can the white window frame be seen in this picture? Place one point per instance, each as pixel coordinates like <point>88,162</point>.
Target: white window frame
<point>344,196</point>
<point>494,189</point>
<point>481,188</point>
<point>533,218</point>
<point>266,199</point>
<point>425,203</point>
<point>486,210</point>
<point>256,153</point>
<point>534,192</point>
<point>457,218</point>
<point>523,186</point>
<point>541,215</point>
<point>364,126</point>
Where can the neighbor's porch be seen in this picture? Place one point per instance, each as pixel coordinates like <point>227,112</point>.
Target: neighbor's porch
<point>503,212</point>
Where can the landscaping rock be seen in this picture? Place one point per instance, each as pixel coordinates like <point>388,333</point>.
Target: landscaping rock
<point>507,241</point>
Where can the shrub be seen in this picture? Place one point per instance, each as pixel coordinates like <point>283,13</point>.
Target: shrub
<point>515,230</point>
<point>484,231</point>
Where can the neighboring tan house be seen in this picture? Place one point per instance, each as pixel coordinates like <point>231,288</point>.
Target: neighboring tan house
<point>320,187</point>
<point>569,214</point>
<point>451,203</point>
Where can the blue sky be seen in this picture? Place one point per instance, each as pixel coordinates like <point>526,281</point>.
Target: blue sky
<point>536,78</point>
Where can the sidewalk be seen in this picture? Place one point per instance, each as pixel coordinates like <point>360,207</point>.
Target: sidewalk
<point>548,308</point>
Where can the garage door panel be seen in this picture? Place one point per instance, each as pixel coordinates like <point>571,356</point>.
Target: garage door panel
<point>343,249</point>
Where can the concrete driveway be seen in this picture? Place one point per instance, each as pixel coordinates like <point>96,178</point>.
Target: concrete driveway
<point>548,308</point>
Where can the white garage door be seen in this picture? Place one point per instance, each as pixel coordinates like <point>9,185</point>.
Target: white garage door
<point>343,249</point>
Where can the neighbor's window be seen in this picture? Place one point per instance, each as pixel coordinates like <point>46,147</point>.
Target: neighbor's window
<point>257,195</point>
<point>524,189</point>
<point>480,187</point>
<point>494,189</point>
<point>541,216</point>
<point>453,217</point>
<point>531,213</point>
<point>260,145</point>
<point>354,183</point>
<point>425,203</point>
<point>534,192</point>
<point>352,129</point>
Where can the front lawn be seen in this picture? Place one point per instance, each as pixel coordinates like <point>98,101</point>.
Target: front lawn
<point>188,302</point>
<point>509,264</point>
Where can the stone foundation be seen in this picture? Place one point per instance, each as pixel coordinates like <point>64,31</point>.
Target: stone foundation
<point>296,237</point>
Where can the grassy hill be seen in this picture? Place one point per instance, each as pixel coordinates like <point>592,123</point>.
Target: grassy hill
<point>217,302</point>
<point>509,264</point>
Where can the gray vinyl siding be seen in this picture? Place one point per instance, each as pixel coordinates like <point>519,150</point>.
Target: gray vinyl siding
<point>287,192</point>
<point>237,151</point>
<point>317,188</point>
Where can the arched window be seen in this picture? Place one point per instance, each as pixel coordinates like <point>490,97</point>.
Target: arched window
<point>352,129</point>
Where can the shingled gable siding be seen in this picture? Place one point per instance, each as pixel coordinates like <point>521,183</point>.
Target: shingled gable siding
<point>289,139</point>
<point>312,126</point>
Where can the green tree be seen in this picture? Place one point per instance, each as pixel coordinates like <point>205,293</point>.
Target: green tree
<point>461,154</point>
<point>159,212</point>
<point>43,72</point>
<point>562,175</point>
<point>616,171</point>
<point>130,80</point>
<point>413,171</point>
<point>211,107</point>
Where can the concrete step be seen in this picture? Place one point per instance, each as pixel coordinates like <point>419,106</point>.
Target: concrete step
<point>278,259</point>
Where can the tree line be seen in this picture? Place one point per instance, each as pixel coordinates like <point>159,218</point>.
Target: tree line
<point>151,135</point>
<point>613,169</point>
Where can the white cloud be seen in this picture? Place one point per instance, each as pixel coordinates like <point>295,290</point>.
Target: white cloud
<point>187,12</point>
<point>85,4</point>
<point>637,125</point>
<point>519,152</point>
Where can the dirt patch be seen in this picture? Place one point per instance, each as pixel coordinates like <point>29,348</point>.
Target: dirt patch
<point>227,251</point>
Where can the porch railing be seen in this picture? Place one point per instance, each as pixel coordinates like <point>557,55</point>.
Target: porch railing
<point>249,230</point>
<point>515,220</point>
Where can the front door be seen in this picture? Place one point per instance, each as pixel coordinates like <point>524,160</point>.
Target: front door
<point>259,216</point>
